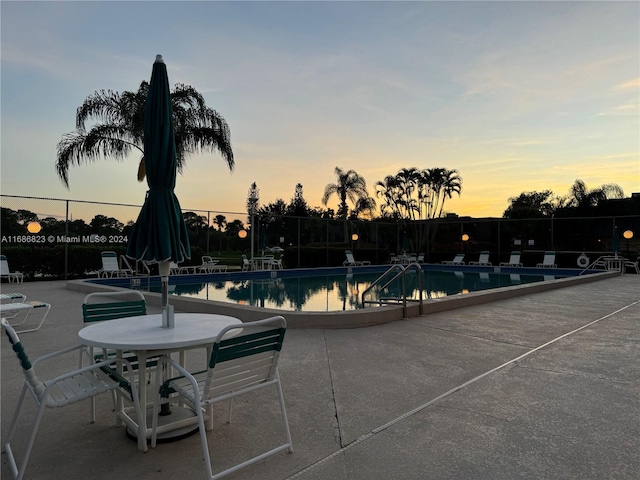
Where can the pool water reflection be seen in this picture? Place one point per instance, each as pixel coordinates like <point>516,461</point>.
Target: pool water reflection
<point>335,292</point>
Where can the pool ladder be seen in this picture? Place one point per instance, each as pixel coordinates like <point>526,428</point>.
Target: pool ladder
<point>400,272</point>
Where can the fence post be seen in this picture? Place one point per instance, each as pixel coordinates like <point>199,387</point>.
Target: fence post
<point>66,244</point>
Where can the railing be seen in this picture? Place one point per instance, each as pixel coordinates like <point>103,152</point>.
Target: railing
<point>390,300</point>
<point>607,262</point>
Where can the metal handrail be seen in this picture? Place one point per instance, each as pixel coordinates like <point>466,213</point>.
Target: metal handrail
<point>401,273</point>
<point>601,262</point>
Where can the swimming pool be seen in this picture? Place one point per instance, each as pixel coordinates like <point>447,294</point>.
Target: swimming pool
<point>357,317</point>
<point>336,289</point>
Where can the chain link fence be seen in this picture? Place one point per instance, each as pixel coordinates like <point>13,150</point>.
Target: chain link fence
<point>73,233</point>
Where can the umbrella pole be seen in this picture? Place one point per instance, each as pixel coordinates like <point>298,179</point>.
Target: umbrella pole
<point>167,310</point>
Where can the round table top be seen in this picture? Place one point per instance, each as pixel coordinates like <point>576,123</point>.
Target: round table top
<point>145,332</point>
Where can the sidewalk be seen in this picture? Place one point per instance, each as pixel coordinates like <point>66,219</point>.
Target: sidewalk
<point>463,394</point>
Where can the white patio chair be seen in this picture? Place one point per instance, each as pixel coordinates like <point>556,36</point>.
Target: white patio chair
<point>238,364</point>
<point>104,306</point>
<point>246,263</point>
<point>60,391</point>
<point>8,274</point>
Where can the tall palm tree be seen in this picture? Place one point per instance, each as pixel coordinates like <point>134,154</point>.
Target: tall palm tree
<point>119,129</point>
<point>580,196</point>
<point>350,186</point>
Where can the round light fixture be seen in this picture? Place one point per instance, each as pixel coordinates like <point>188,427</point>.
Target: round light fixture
<point>242,233</point>
<point>465,237</point>
<point>34,227</point>
<point>354,237</point>
<point>628,234</point>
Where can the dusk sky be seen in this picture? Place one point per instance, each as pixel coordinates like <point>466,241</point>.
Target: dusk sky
<point>517,96</point>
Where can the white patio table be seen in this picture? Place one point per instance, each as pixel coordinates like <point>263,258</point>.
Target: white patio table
<point>145,336</point>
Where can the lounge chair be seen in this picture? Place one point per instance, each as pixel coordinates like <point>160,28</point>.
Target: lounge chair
<point>65,389</point>
<point>246,263</point>
<point>352,262</point>
<point>514,260</point>
<point>548,261</point>
<point>483,260</point>
<point>210,265</point>
<point>12,310</point>
<point>420,258</point>
<point>244,361</point>
<point>457,260</point>
<point>110,267</point>
<point>8,274</point>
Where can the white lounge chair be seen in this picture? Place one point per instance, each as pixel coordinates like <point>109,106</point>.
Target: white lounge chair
<point>23,308</point>
<point>514,260</point>
<point>352,262</point>
<point>244,361</point>
<point>483,260</point>
<point>110,267</point>
<point>8,274</point>
<point>548,261</point>
<point>457,260</point>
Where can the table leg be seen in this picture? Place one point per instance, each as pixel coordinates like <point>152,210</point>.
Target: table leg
<point>142,396</point>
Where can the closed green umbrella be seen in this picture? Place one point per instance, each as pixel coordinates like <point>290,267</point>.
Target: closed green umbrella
<point>160,235</point>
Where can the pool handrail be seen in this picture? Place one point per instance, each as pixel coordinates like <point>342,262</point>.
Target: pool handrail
<point>403,270</point>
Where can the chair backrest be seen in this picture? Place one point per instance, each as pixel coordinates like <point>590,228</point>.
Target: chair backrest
<point>549,258</point>
<point>458,258</point>
<point>206,259</point>
<point>109,261</point>
<point>247,359</point>
<point>349,255</point>
<point>515,257</point>
<point>97,307</point>
<point>420,258</point>
<point>484,257</point>
<point>30,374</point>
<point>4,266</point>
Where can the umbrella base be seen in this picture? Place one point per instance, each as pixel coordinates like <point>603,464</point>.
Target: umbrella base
<point>177,414</point>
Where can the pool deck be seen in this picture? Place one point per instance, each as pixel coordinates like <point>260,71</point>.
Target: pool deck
<point>544,385</point>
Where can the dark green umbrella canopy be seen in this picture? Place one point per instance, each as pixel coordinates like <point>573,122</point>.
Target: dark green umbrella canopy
<point>159,234</point>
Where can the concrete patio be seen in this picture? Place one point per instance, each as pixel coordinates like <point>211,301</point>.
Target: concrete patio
<point>545,385</point>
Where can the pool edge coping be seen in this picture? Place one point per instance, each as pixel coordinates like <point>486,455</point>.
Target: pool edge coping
<point>352,318</point>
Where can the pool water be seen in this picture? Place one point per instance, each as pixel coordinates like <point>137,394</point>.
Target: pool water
<point>340,291</point>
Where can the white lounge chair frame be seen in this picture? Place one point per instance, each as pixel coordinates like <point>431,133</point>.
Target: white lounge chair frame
<point>16,277</point>
<point>352,262</point>
<point>483,260</point>
<point>111,268</point>
<point>514,260</point>
<point>457,260</point>
<point>12,310</point>
<point>548,261</point>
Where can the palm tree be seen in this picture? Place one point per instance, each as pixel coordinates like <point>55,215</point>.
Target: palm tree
<point>583,198</point>
<point>350,186</point>
<point>119,129</point>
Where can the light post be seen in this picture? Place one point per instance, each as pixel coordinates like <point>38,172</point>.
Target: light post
<point>33,228</point>
<point>628,235</point>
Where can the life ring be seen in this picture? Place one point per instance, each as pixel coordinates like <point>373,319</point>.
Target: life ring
<point>583,261</point>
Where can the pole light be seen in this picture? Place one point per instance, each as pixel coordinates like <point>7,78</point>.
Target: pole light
<point>628,235</point>
<point>465,239</point>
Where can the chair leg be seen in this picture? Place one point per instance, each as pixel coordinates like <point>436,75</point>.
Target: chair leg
<point>283,410</point>
<point>18,472</point>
